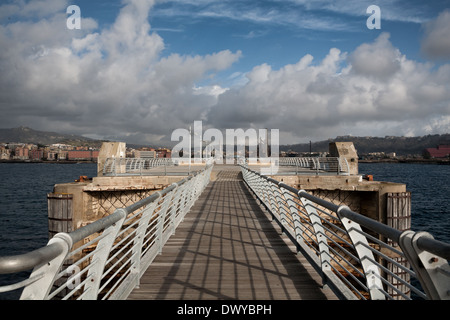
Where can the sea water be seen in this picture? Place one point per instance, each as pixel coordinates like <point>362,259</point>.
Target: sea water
<point>23,207</point>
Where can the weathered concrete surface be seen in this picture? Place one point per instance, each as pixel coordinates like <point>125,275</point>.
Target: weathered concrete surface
<point>345,150</point>
<point>100,196</point>
<point>109,150</point>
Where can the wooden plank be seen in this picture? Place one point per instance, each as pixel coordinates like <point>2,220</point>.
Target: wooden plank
<point>227,248</point>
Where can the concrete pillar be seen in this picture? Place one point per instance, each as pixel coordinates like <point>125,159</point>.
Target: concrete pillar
<point>109,150</point>
<point>345,150</point>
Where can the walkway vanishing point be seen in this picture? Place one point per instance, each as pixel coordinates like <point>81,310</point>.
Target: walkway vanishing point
<point>227,247</point>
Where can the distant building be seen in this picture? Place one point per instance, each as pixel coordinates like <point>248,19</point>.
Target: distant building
<point>145,153</point>
<point>82,155</point>
<point>62,155</point>
<point>51,155</point>
<point>442,151</point>
<point>36,154</point>
<point>21,153</point>
<point>5,154</point>
<point>163,153</point>
<point>391,155</point>
<point>61,146</point>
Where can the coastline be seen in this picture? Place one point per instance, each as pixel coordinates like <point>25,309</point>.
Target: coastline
<point>416,161</point>
<point>50,161</point>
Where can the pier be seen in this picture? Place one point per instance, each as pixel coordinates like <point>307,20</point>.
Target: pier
<point>227,247</point>
<point>158,230</point>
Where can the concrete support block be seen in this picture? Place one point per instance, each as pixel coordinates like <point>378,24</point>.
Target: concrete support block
<point>109,150</point>
<point>345,150</point>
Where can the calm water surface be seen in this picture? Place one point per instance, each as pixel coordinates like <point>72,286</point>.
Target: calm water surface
<point>430,193</point>
<point>23,207</point>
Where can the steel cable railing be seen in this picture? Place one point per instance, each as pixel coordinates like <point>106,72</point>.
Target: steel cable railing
<point>134,166</point>
<point>322,165</point>
<point>359,258</point>
<point>106,259</point>
<point>114,167</point>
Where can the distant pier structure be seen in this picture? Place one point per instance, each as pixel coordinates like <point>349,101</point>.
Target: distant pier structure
<point>121,182</point>
<point>76,204</point>
<point>384,201</point>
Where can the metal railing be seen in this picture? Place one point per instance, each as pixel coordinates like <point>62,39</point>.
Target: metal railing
<point>357,257</point>
<point>106,259</point>
<point>152,166</point>
<point>133,166</point>
<point>334,165</point>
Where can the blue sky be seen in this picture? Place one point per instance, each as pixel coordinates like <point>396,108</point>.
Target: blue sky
<point>139,69</point>
<point>277,32</point>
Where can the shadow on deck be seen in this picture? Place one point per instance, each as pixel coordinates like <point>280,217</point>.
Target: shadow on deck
<point>228,248</point>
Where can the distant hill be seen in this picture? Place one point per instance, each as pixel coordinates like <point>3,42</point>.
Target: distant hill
<point>364,145</point>
<point>28,135</point>
<point>399,145</point>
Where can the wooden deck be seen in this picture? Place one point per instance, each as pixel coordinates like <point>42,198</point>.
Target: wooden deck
<point>227,248</point>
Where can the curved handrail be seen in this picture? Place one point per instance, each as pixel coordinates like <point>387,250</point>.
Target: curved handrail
<point>355,253</point>
<point>90,250</point>
<point>27,261</point>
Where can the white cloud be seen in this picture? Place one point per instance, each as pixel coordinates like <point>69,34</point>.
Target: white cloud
<point>115,82</point>
<point>112,82</point>
<point>379,59</point>
<point>214,90</point>
<point>374,90</point>
<point>266,13</point>
<point>32,8</point>
<point>436,43</point>
<point>392,10</point>
<point>321,15</point>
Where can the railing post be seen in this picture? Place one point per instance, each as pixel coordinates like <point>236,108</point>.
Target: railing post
<point>183,199</point>
<point>255,184</point>
<point>281,203</point>
<point>161,221</point>
<point>365,255</point>
<point>101,256</point>
<point>295,217</point>
<point>262,192</point>
<point>190,191</point>
<point>105,165</point>
<point>432,271</point>
<point>271,190</point>
<point>173,210</point>
<point>47,272</point>
<point>113,166</point>
<point>319,232</point>
<point>270,197</point>
<point>138,242</point>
